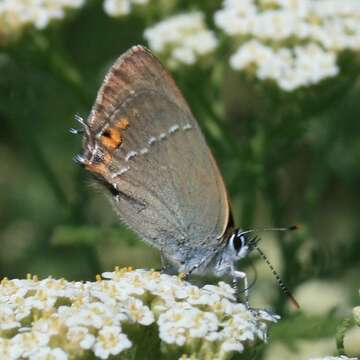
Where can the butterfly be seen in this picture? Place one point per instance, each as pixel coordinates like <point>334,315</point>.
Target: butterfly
<point>143,144</point>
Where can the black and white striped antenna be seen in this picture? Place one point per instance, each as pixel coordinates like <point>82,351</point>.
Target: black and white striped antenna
<point>282,286</point>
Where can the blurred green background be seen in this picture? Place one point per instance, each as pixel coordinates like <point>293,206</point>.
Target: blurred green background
<point>286,158</point>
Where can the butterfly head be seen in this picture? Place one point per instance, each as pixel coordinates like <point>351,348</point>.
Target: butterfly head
<point>241,243</point>
<point>238,246</point>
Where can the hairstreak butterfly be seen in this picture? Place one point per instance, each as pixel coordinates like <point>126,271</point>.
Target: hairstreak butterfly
<point>144,145</point>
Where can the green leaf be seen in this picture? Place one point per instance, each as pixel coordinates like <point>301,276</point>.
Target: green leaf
<point>298,327</point>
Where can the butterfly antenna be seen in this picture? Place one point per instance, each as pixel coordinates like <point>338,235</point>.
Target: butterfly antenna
<point>282,286</point>
<point>287,228</point>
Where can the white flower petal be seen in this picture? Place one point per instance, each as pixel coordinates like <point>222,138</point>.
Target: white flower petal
<point>182,39</point>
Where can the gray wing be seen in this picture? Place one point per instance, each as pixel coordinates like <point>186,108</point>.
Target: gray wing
<point>145,146</point>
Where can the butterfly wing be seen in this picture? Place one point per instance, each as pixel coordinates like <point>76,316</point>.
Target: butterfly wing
<point>143,143</point>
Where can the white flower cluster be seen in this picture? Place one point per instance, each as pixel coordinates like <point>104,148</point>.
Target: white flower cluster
<point>18,14</point>
<point>121,7</point>
<point>300,39</point>
<point>57,319</point>
<point>181,39</point>
<point>290,68</point>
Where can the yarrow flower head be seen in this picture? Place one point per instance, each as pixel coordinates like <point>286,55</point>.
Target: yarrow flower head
<point>57,319</point>
<point>15,15</point>
<point>182,39</point>
<point>121,7</point>
<point>290,68</point>
<point>294,43</point>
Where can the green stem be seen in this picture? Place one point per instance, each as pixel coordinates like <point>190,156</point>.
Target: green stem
<point>345,325</point>
<point>58,63</point>
<point>31,147</point>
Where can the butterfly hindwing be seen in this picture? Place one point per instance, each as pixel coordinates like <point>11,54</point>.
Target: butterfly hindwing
<point>144,144</point>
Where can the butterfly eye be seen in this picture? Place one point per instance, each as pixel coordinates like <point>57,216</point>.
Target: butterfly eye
<point>238,242</point>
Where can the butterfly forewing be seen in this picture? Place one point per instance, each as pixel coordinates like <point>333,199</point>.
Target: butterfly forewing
<point>145,145</point>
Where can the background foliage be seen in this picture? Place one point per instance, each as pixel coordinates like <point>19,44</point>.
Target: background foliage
<point>286,158</point>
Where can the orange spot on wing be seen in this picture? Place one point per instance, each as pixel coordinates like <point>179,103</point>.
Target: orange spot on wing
<point>122,123</point>
<point>107,158</point>
<point>99,168</point>
<point>111,137</point>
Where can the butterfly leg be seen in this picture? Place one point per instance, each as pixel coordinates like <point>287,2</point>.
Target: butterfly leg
<point>237,276</point>
<point>186,275</point>
<point>166,266</point>
<point>163,262</point>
